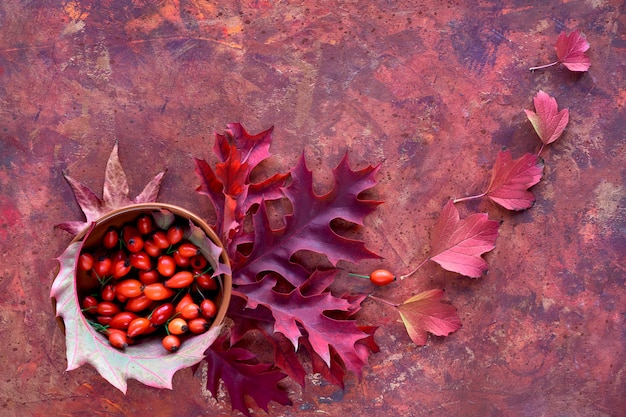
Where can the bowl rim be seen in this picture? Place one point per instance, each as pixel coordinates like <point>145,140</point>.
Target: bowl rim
<point>226,282</point>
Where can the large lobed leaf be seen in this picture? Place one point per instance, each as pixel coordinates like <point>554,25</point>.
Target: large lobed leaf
<point>114,194</point>
<point>273,295</point>
<point>457,245</point>
<point>308,227</point>
<point>243,376</point>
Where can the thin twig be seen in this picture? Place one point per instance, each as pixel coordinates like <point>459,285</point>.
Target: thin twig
<point>389,303</point>
<point>543,66</point>
<point>473,197</point>
<point>415,270</point>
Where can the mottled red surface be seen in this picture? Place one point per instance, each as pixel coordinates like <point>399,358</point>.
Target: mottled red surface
<point>430,89</point>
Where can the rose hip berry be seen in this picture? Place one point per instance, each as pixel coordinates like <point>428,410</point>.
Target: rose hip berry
<point>151,281</point>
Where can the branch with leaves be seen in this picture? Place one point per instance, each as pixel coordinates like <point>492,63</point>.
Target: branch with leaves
<point>289,304</point>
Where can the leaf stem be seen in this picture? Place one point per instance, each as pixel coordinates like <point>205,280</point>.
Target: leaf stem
<point>389,303</point>
<point>472,197</point>
<point>541,149</point>
<point>543,66</point>
<point>414,270</point>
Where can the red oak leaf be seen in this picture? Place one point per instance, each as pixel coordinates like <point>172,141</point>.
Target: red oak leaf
<point>262,321</point>
<point>336,373</point>
<point>308,227</point>
<point>548,121</point>
<point>457,245</point>
<point>298,315</point>
<point>570,51</point>
<point>511,179</point>
<point>147,362</point>
<point>229,187</point>
<point>114,195</point>
<point>243,376</point>
<point>424,313</point>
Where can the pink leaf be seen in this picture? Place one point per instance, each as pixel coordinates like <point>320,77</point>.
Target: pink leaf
<point>457,245</point>
<point>548,122</point>
<point>570,49</point>
<point>511,179</point>
<point>424,313</point>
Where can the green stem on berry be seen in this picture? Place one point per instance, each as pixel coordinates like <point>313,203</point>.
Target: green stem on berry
<point>359,275</point>
<point>99,327</point>
<point>206,271</point>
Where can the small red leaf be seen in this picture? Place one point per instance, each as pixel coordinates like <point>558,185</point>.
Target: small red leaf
<point>548,122</point>
<point>424,313</point>
<point>570,49</point>
<point>511,179</point>
<point>457,245</point>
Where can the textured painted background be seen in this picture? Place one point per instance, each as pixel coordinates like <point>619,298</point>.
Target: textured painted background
<point>431,89</point>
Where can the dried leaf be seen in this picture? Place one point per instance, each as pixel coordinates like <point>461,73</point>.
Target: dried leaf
<point>115,194</point>
<point>457,245</point>
<point>511,179</point>
<point>548,122</point>
<point>425,313</point>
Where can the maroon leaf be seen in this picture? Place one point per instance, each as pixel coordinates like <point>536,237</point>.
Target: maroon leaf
<point>297,315</point>
<point>308,227</point>
<point>229,187</point>
<point>457,245</point>
<point>424,313</point>
<point>262,321</point>
<point>243,376</point>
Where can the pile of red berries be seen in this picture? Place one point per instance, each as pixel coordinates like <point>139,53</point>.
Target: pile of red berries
<point>148,280</point>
